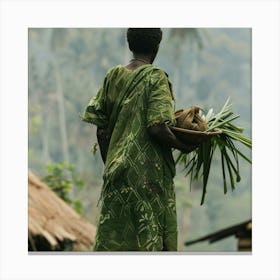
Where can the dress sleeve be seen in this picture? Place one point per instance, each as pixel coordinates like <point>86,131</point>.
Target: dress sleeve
<point>95,111</point>
<point>160,100</point>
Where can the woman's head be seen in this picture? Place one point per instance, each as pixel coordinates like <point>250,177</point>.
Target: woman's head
<point>144,41</point>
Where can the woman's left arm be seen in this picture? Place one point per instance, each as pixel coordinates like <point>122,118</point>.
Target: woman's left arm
<point>164,136</point>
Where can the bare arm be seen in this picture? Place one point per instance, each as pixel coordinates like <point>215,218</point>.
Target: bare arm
<point>164,135</point>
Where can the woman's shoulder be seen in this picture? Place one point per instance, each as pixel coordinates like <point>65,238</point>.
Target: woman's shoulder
<point>158,71</point>
<point>148,70</point>
<point>160,77</point>
<point>113,70</point>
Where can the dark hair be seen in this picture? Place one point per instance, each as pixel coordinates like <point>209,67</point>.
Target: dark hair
<point>144,40</point>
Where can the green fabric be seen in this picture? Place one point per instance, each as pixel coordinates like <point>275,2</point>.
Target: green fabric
<point>138,211</point>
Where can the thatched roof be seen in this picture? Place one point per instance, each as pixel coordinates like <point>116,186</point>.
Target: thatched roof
<point>53,220</point>
<point>239,230</point>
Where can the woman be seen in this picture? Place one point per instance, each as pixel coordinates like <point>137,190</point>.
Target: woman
<point>132,111</point>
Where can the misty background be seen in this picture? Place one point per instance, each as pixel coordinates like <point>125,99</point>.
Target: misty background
<point>66,67</point>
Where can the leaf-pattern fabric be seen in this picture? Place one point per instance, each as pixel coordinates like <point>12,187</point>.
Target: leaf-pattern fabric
<point>138,211</point>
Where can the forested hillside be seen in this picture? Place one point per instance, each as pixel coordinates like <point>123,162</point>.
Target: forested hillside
<point>206,66</point>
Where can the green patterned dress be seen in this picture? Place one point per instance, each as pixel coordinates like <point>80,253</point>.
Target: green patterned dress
<point>138,211</point>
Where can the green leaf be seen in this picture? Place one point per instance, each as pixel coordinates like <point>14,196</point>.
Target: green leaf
<point>228,161</point>
<point>235,155</point>
<point>79,183</point>
<point>78,206</point>
<point>223,170</point>
<point>220,124</point>
<point>207,158</point>
<point>198,164</point>
<point>61,179</point>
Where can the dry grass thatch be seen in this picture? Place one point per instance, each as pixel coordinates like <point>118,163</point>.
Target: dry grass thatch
<point>54,221</point>
<point>242,231</point>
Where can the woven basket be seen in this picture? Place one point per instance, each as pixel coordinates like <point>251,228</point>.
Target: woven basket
<point>190,119</point>
<point>193,136</point>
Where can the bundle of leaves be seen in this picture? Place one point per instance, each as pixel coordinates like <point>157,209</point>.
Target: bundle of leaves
<point>197,164</point>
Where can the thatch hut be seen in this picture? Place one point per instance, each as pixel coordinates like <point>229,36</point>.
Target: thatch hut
<point>242,231</point>
<point>52,224</point>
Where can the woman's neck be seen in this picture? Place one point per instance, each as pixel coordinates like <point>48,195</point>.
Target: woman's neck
<point>143,58</point>
<point>145,61</point>
<point>138,61</point>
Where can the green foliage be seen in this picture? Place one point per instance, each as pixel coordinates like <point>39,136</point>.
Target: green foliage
<point>198,162</point>
<point>61,179</point>
<point>35,119</point>
<point>199,76</point>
